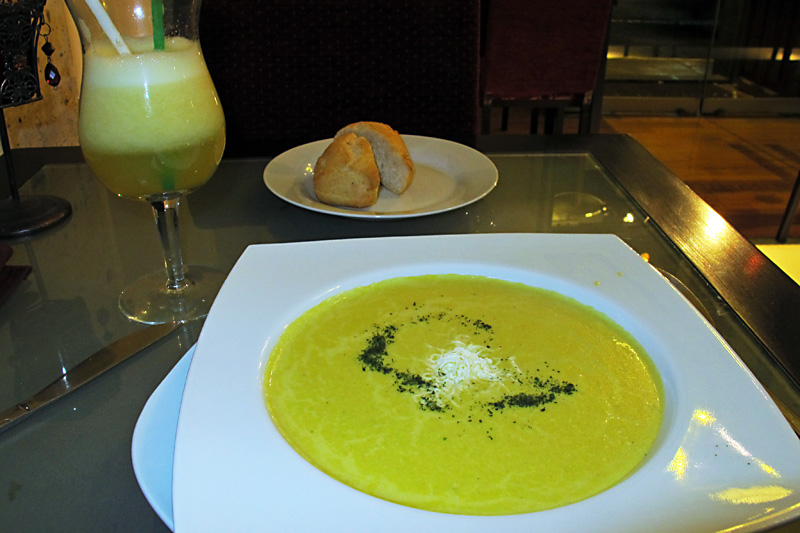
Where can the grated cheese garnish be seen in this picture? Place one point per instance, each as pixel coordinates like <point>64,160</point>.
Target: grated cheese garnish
<point>464,364</point>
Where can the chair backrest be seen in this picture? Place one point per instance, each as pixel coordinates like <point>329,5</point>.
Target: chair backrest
<point>543,48</point>
<point>290,71</point>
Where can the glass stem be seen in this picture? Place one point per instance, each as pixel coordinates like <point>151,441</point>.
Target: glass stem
<point>166,213</point>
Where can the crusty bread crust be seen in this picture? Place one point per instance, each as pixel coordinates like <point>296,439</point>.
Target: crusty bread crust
<point>395,166</point>
<point>346,174</point>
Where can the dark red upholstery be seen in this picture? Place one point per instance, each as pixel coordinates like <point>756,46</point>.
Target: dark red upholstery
<point>543,49</point>
<point>294,71</point>
<point>10,276</point>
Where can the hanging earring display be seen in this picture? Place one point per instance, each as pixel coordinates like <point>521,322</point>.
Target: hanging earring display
<point>51,74</point>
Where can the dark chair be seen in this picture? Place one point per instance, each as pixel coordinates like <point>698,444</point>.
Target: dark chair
<point>545,55</point>
<point>295,71</point>
<point>791,211</point>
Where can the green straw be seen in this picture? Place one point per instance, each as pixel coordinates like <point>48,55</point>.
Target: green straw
<point>168,180</point>
<point>157,7</point>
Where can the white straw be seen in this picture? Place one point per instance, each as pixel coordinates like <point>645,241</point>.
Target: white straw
<point>108,26</point>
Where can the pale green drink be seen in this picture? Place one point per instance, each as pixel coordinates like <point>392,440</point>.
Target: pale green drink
<point>150,122</point>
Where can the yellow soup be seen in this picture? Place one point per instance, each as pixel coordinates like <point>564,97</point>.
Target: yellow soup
<point>464,394</point>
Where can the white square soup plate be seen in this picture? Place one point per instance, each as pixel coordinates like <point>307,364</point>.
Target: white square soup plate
<point>725,456</point>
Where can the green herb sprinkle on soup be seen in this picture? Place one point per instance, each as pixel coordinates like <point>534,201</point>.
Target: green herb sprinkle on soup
<point>464,394</point>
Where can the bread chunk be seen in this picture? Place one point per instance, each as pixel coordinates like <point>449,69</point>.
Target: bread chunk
<point>346,174</point>
<point>395,166</point>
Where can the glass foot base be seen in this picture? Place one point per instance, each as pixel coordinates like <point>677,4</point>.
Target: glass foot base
<point>577,208</point>
<point>147,300</point>
<point>31,214</point>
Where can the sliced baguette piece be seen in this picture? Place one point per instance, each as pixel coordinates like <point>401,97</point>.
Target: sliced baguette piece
<point>395,166</point>
<point>346,174</point>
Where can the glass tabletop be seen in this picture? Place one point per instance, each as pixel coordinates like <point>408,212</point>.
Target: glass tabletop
<point>75,454</point>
